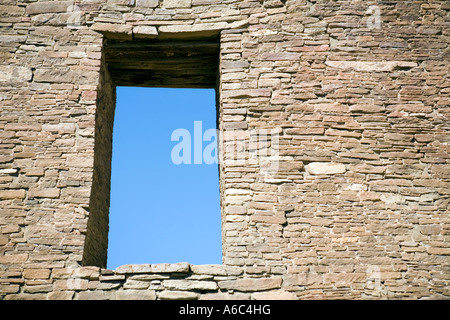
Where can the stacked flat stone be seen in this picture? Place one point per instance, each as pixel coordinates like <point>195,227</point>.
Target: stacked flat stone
<point>357,208</point>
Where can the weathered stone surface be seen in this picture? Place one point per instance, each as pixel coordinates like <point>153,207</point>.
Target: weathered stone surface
<point>345,279</point>
<point>325,168</point>
<point>114,31</point>
<point>12,40</point>
<point>305,279</point>
<point>64,76</point>
<point>181,267</point>
<point>60,127</point>
<point>11,10</point>
<point>135,295</point>
<point>48,7</point>
<point>178,295</point>
<point>136,284</point>
<point>147,3</point>
<point>92,295</point>
<point>216,270</point>
<point>176,4</point>
<point>134,268</point>
<point>80,162</point>
<point>184,285</point>
<point>225,296</point>
<point>193,28</point>
<point>36,273</point>
<point>71,284</point>
<point>26,296</point>
<point>371,66</point>
<point>274,295</point>
<point>61,295</point>
<point>275,219</point>
<point>281,56</point>
<point>351,204</point>
<point>12,194</point>
<point>145,32</point>
<point>15,73</point>
<point>248,284</point>
<point>247,93</point>
<point>366,108</point>
<point>431,229</point>
<point>52,193</point>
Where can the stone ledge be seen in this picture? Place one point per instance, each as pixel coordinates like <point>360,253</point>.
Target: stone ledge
<point>216,270</point>
<point>181,267</point>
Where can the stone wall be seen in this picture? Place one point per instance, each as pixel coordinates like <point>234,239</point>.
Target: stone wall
<point>352,201</point>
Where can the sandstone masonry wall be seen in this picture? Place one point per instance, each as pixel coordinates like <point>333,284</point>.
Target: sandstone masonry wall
<point>356,95</point>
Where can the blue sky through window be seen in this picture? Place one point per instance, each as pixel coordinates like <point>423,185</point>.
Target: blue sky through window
<point>161,212</point>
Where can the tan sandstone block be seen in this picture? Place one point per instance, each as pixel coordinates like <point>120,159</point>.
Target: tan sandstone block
<point>36,273</point>
<point>177,4</point>
<point>257,284</point>
<point>317,168</point>
<point>12,194</point>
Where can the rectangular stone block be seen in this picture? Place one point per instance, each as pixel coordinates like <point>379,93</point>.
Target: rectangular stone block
<point>11,11</point>
<point>136,284</point>
<point>247,93</point>
<point>362,173</point>
<point>9,288</point>
<point>345,279</point>
<point>71,284</point>
<point>36,273</point>
<point>246,285</point>
<point>366,108</point>
<point>12,194</point>
<point>52,193</point>
<point>317,168</point>
<point>331,108</point>
<point>274,295</point>
<point>60,295</point>
<point>169,4</point>
<point>6,159</point>
<point>136,295</point>
<point>201,27</point>
<point>216,270</point>
<point>49,7</point>
<point>281,56</point>
<point>22,127</point>
<point>276,219</point>
<point>80,162</point>
<point>180,267</point>
<point>60,127</point>
<point>15,73</point>
<point>189,285</point>
<point>133,268</point>
<point>370,66</point>
<point>398,137</point>
<point>54,76</point>
<point>413,108</point>
<point>14,258</point>
<point>27,296</point>
<point>114,31</point>
<point>147,3</point>
<point>304,279</point>
<point>178,295</point>
<point>12,39</point>
<point>91,295</point>
<point>145,32</point>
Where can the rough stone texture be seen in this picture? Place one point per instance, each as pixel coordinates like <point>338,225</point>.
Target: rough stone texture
<point>325,168</point>
<point>357,206</point>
